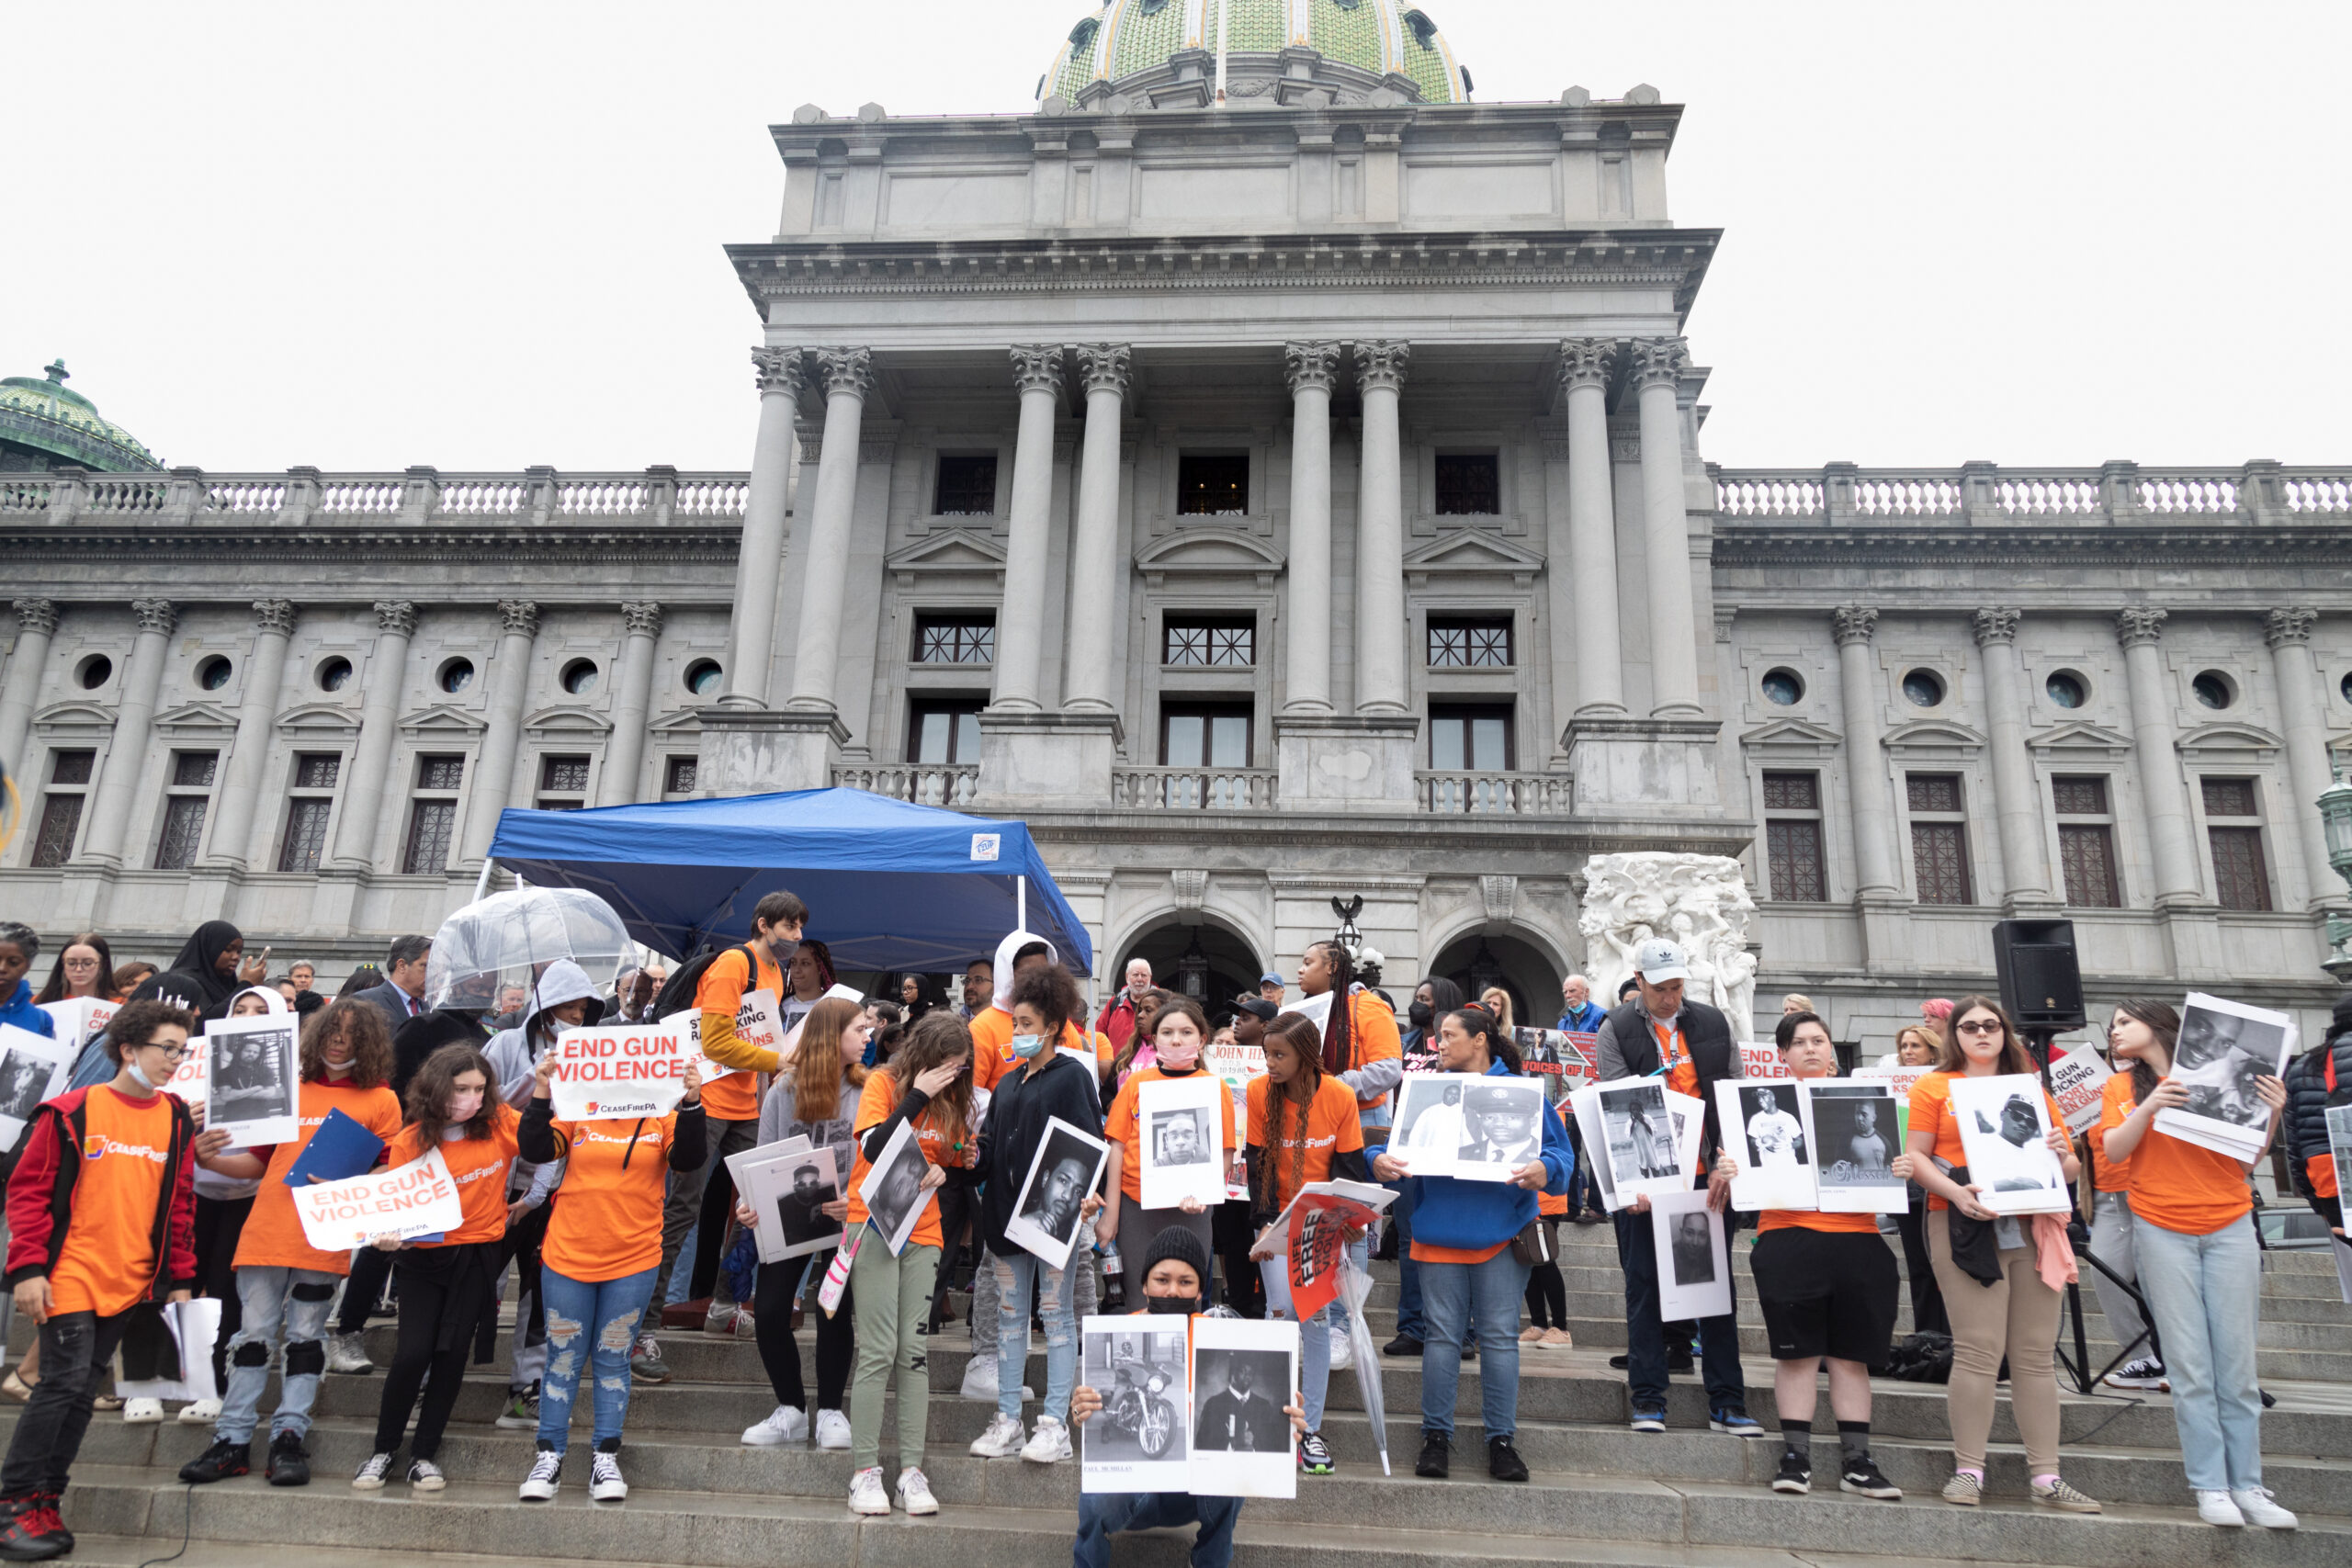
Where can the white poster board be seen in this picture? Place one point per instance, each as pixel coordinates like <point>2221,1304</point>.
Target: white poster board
<point>2077,1081</point>
<point>786,1185</point>
<point>1761,1061</point>
<point>2003,1122</point>
<point>1470,1126</point>
<point>617,1071</point>
<point>790,1049</point>
<point>1244,1372</point>
<point>1141,1438</point>
<point>2223,1050</point>
<point>757,1021</point>
<point>193,1325</point>
<point>1067,1166</point>
<point>33,1069</point>
<point>1763,1127</point>
<point>1639,1138</point>
<point>1179,1141</point>
<point>1693,1258</point>
<point>254,1069</point>
<point>192,1079</point>
<point>416,1199</point>
<point>79,1021</point>
<point>1850,1131</point>
<point>892,1190</point>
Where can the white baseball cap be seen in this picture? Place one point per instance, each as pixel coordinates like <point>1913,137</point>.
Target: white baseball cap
<point>1659,960</point>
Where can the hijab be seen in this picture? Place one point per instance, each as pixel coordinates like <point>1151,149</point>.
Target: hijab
<point>192,980</point>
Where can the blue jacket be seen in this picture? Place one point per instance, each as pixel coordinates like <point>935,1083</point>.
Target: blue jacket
<point>19,1010</point>
<point>1487,1213</point>
<point>1583,1020</point>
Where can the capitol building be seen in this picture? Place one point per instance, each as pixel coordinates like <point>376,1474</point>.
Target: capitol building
<point>1274,474</point>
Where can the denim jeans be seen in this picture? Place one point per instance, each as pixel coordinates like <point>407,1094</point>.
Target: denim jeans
<point>74,1350</point>
<point>1645,1335</point>
<point>2111,1228</point>
<point>274,1298</point>
<point>1102,1515</point>
<point>1315,1333</point>
<point>2206,1295</point>
<point>609,1310</point>
<point>985,1298</point>
<point>1453,1295</point>
<point>1057,1304</point>
<point>1408,1273</point>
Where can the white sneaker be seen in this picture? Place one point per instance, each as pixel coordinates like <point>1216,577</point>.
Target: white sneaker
<point>833,1430</point>
<point>200,1413</point>
<point>139,1412</point>
<point>605,1483</point>
<point>547,1469</point>
<point>914,1493</point>
<point>1343,1352</point>
<point>1001,1440</point>
<point>2260,1508</point>
<point>2215,1508</point>
<point>865,1492</point>
<point>1049,1444</point>
<point>980,1378</point>
<point>783,1425</point>
<point>348,1353</point>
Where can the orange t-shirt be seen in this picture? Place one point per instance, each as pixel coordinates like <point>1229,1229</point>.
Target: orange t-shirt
<point>2173,1183</point>
<point>1121,1126</point>
<point>2114,1098</point>
<point>1374,1030</point>
<point>1330,1127</point>
<point>607,1224</point>
<point>1674,1052</point>
<point>736,1096</point>
<point>479,1167</point>
<point>108,1264</point>
<point>2321,1169</point>
<point>992,1055</point>
<point>1931,1107</point>
<point>273,1237</point>
<point>875,1103</point>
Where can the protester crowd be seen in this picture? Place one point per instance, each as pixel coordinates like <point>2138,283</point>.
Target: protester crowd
<point>602,1225</point>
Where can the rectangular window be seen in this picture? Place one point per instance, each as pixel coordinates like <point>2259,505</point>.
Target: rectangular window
<point>1469,484</point>
<point>431,826</point>
<point>1794,870</point>
<point>564,776</point>
<point>183,830</point>
<point>945,731</point>
<point>60,819</point>
<point>440,772</point>
<point>967,639</point>
<point>193,770</point>
<point>1471,740</point>
<point>1211,484</point>
<point>2229,797</point>
<point>317,770</point>
<point>967,486</point>
<point>2087,842</point>
<point>1204,735</point>
<point>1933,792</point>
<point>1469,642</point>
<point>1792,792</point>
<point>1218,641</point>
<point>306,833</point>
<point>72,767</point>
<point>1939,839</point>
<point>678,776</point>
<point>2241,875</point>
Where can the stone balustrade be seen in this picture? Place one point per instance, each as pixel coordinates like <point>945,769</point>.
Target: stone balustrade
<point>922,784</point>
<point>305,497</point>
<point>1193,789</point>
<point>1493,794</point>
<point>1985,493</point>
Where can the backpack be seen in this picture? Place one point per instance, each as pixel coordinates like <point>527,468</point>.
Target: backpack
<point>1921,1357</point>
<point>678,992</point>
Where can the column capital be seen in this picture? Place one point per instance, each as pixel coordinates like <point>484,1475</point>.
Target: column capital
<point>2140,626</point>
<point>1380,367</point>
<point>1659,361</point>
<point>1037,367</point>
<point>847,371</point>
<point>274,616</point>
<point>1584,361</point>
<point>396,616</point>
<point>155,615</point>
<point>1310,367</point>
<point>641,617</point>
<point>1858,623</point>
<point>519,617</point>
<point>38,616</point>
<point>1104,367</point>
<point>1995,626</point>
<point>1724,616</point>
<point>2281,627</point>
<point>777,371</point>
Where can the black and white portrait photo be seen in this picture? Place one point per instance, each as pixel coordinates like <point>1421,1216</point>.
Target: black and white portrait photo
<point>2224,1052</point>
<point>800,1209</point>
<point>1502,1124</point>
<point>1240,1397</point>
<point>1180,1137</point>
<point>1775,1134</point>
<point>1138,1366</point>
<point>253,1088</point>
<point>1065,1167</point>
<point>1692,1255</point>
<point>1429,1111</point>
<point>1852,1126</point>
<point>1694,1252</point>
<point>24,1084</point>
<point>2003,1127</point>
<point>1640,1132</point>
<point>893,1188</point>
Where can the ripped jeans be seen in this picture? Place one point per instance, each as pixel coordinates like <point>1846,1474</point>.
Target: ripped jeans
<point>1057,1304</point>
<point>275,1299</point>
<point>594,1321</point>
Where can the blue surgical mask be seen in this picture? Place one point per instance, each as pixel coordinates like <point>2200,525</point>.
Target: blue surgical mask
<point>144,1081</point>
<point>1027,1045</point>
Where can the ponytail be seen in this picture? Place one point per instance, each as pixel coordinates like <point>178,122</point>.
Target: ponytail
<point>1339,1024</point>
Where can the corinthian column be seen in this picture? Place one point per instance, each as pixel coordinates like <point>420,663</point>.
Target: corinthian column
<point>1090,681</point>
<point>2303,708</point>
<point>1591,555</point>
<point>1658,364</point>
<point>510,675</point>
<point>1380,532</point>
<point>265,670</point>
<point>632,700</point>
<point>133,720</point>
<point>355,830</point>
<point>760,562</point>
<point>2025,868</point>
<point>36,624</point>
<point>2162,789</point>
<point>1865,763</point>
<point>1020,634</point>
<point>849,375</point>
<point>1310,369</point>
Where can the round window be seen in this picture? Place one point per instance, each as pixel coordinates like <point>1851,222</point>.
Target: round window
<point>702,677</point>
<point>2213,689</point>
<point>213,674</point>
<point>579,677</point>
<point>458,674</point>
<point>1925,688</point>
<point>2066,689</point>
<point>95,671</point>
<point>1783,688</point>
<point>2345,686</point>
<point>334,674</point>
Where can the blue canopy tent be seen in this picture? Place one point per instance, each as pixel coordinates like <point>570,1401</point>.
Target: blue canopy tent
<point>890,886</point>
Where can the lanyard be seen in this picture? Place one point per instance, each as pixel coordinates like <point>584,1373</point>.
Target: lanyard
<point>1671,1053</point>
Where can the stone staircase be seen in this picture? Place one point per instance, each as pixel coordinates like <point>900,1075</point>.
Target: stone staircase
<point>1599,1494</point>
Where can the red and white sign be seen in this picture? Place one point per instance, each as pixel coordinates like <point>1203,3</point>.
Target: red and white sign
<point>1761,1061</point>
<point>2077,1081</point>
<point>417,1199</point>
<point>630,1070</point>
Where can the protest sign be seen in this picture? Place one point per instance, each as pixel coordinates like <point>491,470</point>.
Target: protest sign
<point>414,1200</point>
<point>1312,1235</point>
<point>1140,1441</point>
<point>1902,1080</point>
<point>1243,1374</point>
<point>787,1186</point>
<point>2076,1079</point>
<point>1566,1058</point>
<point>2223,1051</point>
<point>1067,1166</point>
<point>626,1070</point>
<point>1692,1258</point>
<point>192,1079</point>
<point>757,1024</point>
<point>1181,1141</point>
<point>1763,1127</point>
<point>1761,1061</point>
<point>31,1069</point>
<point>254,1065</point>
<point>2003,1122</point>
<point>1236,1064</point>
<point>79,1021</point>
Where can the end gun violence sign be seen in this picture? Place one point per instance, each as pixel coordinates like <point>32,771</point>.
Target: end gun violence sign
<point>631,1070</point>
<point>417,1199</point>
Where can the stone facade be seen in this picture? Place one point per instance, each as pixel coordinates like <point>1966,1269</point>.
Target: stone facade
<point>1299,498</point>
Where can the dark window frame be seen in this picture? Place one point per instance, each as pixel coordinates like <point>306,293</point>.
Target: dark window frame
<point>2084,805</point>
<point>1206,479</point>
<point>1940,869</point>
<point>1796,859</point>
<point>965,637</point>
<point>957,707</point>
<point>432,831</point>
<point>72,772</point>
<point>1462,478</point>
<point>1209,710</point>
<point>1467,642</point>
<point>961,478</point>
<point>1213,637</point>
<point>2233,826</point>
<point>1467,713</point>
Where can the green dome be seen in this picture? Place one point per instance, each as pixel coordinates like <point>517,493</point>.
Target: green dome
<point>1380,38</point>
<point>44,425</point>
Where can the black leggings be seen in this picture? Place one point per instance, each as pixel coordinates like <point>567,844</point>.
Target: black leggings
<point>1547,1290</point>
<point>780,1353</point>
<point>443,1292</point>
<point>363,1290</point>
<point>219,1222</point>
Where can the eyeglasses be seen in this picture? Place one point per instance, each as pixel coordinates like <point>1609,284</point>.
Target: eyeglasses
<point>1979,1026</point>
<point>171,1053</point>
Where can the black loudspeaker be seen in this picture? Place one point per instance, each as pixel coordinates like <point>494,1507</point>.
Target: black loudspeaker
<point>2042,984</point>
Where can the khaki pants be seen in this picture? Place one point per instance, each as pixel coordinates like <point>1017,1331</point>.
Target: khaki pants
<point>2018,1317</point>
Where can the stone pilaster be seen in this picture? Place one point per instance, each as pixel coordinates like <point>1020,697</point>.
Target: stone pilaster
<point>371,759</point>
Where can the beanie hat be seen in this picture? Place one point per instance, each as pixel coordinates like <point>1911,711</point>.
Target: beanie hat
<point>1182,1245</point>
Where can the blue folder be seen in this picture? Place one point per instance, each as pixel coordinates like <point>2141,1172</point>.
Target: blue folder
<point>340,1148</point>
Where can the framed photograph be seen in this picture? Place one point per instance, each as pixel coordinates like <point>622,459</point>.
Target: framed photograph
<point>1850,1135</point>
<point>1693,1258</point>
<point>255,1066</point>
<point>2225,1049</point>
<point>1764,1128</point>
<point>1180,1135</point>
<point>1640,1140</point>
<point>1065,1167</point>
<point>33,1069</point>
<point>1244,1372</point>
<point>1141,1441</point>
<point>2002,1120</point>
<point>1565,1060</point>
<point>892,1190</point>
<point>1901,1080</point>
<point>787,1190</point>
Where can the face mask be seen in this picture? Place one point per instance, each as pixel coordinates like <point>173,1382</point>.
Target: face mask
<point>1027,1045</point>
<point>132,1066</point>
<point>465,1107</point>
<point>1177,1066</point>
<point>1180,1306</point>
<point>782,949</point>
<point>1419,1015</point>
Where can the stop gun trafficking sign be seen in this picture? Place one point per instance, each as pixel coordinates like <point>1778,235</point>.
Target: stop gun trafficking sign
<point>602,1075</point>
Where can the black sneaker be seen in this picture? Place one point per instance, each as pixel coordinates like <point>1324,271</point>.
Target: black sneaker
<point>219,1462</point>
<point>289,1465</point>
<point>1503,1461</point>
<point>1470,1350</point>
<point>1315,1455</point>
<point>1795,1473</point>
<point>1861,1476</point>
<point>1678,1360</point>
<point>1436,1462</point>
<point>32,1530</point>
<point>1403,1345</point>
<point>1621,1362</point>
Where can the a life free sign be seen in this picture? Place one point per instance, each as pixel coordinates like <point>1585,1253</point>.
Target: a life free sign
<point>628,1071</point>
<point>417,1199</point>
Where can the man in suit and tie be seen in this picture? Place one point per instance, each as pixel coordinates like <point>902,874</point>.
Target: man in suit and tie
<point>401,995</point>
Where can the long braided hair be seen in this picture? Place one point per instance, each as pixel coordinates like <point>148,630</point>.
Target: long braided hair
<point>1295,1030</point>
<point>1339,1024</point>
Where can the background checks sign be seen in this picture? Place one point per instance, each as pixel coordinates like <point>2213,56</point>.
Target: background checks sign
<point>602,1075</point>
<point>417,1199</point>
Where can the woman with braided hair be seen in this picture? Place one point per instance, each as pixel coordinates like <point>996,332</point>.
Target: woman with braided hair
<point>1359,1044</point>
<point>1303,1128</point>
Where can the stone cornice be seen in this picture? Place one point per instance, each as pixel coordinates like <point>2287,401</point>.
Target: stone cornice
<point>1774,544</point>
<point>106,544</point>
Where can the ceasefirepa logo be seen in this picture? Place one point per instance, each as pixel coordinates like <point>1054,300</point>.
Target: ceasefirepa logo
<point>97,1145</point>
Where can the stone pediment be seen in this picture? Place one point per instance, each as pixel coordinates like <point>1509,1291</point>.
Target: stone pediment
<point>443,721</point>
<point>569,722</point>
<point>1210,552</point>
<point>1793,736</point>
<point>1472,552</point>
<point>318,721</point>
<point>73,718</point>
<point>2228,742</point>
<point>685,721</point>
<point>196,718</point>
<point>2080,738</point>
<point>1933,738</point>
<point>952,550</point>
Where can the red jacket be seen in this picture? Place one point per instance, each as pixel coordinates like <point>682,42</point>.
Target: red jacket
<point>1117,1020</point>
<point>40,1196</point>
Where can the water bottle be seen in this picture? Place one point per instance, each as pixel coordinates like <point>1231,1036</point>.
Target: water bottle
<point>1114,1276</point>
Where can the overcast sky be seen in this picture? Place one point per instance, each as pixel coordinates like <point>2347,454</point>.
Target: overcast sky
<point>487,234</point>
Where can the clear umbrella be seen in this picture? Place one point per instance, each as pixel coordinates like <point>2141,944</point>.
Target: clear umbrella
<point>509,939</point>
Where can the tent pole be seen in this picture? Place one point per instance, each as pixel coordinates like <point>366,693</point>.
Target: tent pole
<point>1021,903</point>
<point>481,883</point>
